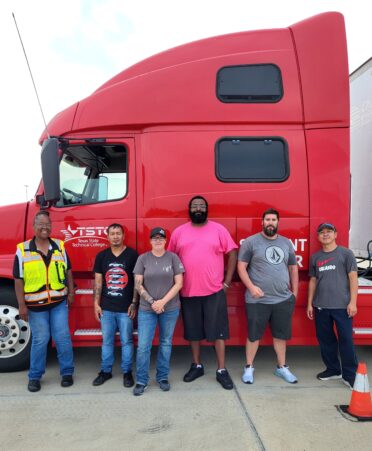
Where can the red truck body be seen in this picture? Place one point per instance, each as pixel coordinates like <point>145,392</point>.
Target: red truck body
<point>177,124</point>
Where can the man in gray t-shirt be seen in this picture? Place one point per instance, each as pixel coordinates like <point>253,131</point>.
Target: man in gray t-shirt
<point>267,267</point>
<point>333,290</point>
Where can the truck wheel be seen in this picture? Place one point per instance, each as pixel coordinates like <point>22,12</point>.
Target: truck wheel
<point>15,334</point>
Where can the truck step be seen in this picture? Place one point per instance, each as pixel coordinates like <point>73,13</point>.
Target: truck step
<point>84,291</point>
<point>362,330</point>
<point>94,332</point>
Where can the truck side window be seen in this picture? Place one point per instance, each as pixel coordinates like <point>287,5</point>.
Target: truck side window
<point>92,173</point>
<point>256,83</point>
<point>251,160</point>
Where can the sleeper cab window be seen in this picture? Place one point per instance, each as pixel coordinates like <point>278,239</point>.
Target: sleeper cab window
<point>250,160</point>
<point>255,83</point>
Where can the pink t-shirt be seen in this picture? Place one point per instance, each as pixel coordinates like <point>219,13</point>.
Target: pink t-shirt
<point>201,250</point>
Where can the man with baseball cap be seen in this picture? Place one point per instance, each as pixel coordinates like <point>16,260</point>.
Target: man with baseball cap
<point>332,301</point>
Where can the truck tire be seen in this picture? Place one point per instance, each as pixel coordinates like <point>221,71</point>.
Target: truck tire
<point>15,334</point>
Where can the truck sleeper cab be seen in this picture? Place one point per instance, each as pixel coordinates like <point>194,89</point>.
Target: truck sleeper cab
<point>250,120</point>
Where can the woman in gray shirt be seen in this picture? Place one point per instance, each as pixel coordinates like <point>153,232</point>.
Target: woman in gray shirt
<point>158,279</point>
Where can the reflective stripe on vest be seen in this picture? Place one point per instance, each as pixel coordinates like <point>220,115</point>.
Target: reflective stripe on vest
<point>43,285</point>
<point>41,295</point>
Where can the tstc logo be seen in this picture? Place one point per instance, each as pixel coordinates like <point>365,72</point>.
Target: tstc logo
<point>79,232</point>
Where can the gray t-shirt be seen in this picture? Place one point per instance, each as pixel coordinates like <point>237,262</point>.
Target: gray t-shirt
<point>331,270</point>
<point>267,268</point>
<point>158,277</point>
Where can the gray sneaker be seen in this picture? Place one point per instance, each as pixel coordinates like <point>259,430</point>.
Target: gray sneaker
<point>247,376</point>
<point>284,373</point>
<point>164,385</point>
<point>139,389</point>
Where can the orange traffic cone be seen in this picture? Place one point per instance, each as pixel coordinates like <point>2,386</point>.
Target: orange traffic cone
<point>360,404</point>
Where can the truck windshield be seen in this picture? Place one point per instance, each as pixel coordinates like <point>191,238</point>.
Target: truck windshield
<point>92,173</point>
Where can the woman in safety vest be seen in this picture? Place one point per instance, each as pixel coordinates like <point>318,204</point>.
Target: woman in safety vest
<point>44,288</point>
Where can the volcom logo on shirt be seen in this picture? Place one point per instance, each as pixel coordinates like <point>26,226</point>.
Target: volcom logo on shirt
<point>274,255</point>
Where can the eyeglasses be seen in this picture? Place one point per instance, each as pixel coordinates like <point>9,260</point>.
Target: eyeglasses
<point>41,225</point>
<point>157,238</point>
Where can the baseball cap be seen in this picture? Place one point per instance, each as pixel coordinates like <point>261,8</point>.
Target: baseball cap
<point>158,231</point>
<point>326,225</point>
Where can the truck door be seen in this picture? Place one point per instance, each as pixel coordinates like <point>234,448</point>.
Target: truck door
<point>97,188</point>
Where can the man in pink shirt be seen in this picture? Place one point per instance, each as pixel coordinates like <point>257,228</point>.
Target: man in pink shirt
<point>201,245</point>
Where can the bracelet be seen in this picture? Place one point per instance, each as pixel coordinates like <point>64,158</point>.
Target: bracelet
<point>226,285</point>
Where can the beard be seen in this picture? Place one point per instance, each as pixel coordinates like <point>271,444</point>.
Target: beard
<point>270,230</point>
<point>198,217</point>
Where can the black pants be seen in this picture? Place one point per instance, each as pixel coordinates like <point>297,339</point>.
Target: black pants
<point>332,345</point>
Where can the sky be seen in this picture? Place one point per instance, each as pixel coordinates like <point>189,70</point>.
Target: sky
<point>74,46</point>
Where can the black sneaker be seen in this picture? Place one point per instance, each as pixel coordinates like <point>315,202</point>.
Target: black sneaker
<point>33,385</point>
<point>223,377</point>
<point>349,382</point>
<point>328,374</point>
<point>102,378</point>
<point>164,385</point>
<point>67,380</point>
<point>128,379</point>
<point>139,389</point>
<point>193,373</point>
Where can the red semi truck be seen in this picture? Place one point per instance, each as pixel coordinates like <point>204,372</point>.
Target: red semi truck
<point>250,120</point>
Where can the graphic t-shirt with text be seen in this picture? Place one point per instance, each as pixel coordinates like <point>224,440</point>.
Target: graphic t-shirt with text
<point>331,270</point>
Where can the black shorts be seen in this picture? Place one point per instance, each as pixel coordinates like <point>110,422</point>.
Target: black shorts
<point>205,317</point>
<point>279,316</point>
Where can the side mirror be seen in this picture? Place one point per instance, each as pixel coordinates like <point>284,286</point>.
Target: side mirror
<point>50,169</point>
<point>40,200</point>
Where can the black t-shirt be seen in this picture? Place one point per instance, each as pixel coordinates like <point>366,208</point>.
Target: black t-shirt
<point>117,280</point>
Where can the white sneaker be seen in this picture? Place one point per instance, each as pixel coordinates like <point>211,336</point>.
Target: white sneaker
<point>284,373</point>
<point>247,376</point>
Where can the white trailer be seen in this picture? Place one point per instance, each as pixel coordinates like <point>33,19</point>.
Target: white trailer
<point>361,161</point>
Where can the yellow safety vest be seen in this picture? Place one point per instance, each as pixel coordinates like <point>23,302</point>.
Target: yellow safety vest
<point>43,285</point>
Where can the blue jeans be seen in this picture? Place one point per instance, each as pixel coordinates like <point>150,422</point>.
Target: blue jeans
<point>147,322</point>
<point>331,345</point>
<point>53,323</point>
<point>110,322</point>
